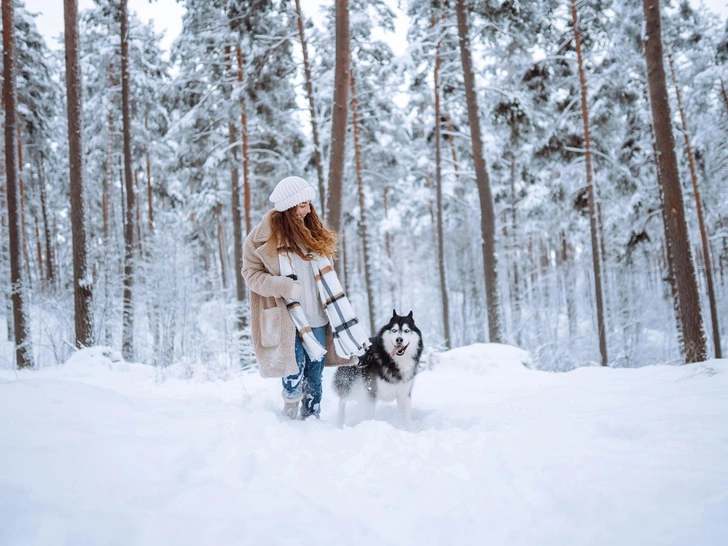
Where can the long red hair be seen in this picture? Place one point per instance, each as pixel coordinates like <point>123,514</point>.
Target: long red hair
<point>292,235</point>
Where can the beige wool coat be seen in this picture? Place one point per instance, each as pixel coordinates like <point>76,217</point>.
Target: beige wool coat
<point>271,326</point>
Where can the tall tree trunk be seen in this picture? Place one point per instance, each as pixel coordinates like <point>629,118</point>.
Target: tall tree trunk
<point>569,284</point>
<point>487,222</point>
<point>23,227</point>
<point>106,209</point>
<point>707,256</point>
<point>4,249</point>
<point>334,200</point>
<point>23,349</point>
<point>312,110</point>
<point>238,239</point>
<point>693,343</point>
<point>724,94</point>
<point>593,219</point>
<point>222,248</point>
<point>514,256</point>
<point>237,235</point>
<point>150,204</point>
<point>363,226</point>
<point>127,335</point>
<point>138,211</point>
<point>438,192</point>
<point>388,246</point>
<point>39,250</point>
<point>49,261</point>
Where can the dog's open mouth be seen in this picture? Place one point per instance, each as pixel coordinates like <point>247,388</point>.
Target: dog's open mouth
<point>399,350</point>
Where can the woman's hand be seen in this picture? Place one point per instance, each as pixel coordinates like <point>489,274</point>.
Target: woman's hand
<point>296,291</point>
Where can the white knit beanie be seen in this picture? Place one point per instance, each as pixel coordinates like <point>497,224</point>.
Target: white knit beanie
<point>291,191</point>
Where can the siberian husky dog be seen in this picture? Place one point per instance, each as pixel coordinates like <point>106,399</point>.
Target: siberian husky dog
<point>386,371</point>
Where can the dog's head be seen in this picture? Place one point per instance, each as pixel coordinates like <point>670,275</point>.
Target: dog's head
<point>401,336</point>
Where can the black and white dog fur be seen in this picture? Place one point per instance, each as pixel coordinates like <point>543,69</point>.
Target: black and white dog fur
<point>387,369</point>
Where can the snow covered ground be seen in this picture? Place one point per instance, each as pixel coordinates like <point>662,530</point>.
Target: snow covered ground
<point>102,453</point>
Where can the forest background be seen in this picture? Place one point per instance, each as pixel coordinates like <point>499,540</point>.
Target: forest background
<point>225,104</point>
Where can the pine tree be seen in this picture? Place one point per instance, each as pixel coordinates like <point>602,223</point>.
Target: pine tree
<point>81,282</point>
<point>596,254</point>
<point>687,302</point>
<point>490,260</point>
<point>21,328</point>
<point>338,129</point>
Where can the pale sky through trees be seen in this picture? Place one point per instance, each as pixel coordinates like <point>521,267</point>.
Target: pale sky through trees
<point>167,15</point>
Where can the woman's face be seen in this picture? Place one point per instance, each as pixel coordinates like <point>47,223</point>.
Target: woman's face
<point>302,209</point>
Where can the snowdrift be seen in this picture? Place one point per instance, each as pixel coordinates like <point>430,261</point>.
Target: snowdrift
<point>99,451</point>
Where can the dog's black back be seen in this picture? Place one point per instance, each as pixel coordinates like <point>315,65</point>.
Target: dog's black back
<point>377,363</point>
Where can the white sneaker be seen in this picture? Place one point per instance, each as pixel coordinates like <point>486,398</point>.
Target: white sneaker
<point>290,409</point>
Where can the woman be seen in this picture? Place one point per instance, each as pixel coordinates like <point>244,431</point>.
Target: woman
<point>301,319</point>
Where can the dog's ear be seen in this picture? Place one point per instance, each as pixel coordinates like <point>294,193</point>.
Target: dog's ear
<point>409,316</point>
<point>394,313</point>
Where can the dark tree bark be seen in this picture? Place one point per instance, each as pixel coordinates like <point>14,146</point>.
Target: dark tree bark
<point>23,230</point>
<point>246,167</point>
<point>222,249</point>
<point>138,212</point>
<point>363,226</point>
<point>39,249</point>
<point>334,200</point>
<point>23,349</point>
<point>701,220</point>
<point>514,256</point>
<point>106,210</point>
<point>444,299</point>
<point>237,230</point>
<point>4,248</point>
<point>150,204</point>
<point>127,335</point>
<point>49,261</point>
<point>593,219</point>
<point>242,318</point>
<point>724,93</point>
<point>312,109</point>
<point>693,342</point>
<point>487,212</point>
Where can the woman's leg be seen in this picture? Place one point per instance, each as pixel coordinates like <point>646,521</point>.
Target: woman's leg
<point>312,374</point>
<point>293,384</point>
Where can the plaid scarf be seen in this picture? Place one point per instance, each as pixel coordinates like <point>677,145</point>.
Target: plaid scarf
<point>349,336</point>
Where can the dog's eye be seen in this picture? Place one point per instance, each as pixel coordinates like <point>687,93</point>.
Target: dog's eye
<point>407,330</point>
<point>393,330</point>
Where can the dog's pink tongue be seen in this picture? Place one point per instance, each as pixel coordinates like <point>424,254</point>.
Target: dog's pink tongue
<point>397,348</point>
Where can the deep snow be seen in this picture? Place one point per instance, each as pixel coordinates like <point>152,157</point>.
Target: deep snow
<point>102,453</point>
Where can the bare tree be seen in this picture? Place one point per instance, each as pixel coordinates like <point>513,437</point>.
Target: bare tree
<point>438,191</point>
<point>127,335</point>
<point>363,225</point>
<point>237,228</point>
<point>311,107</point>
<point>49,261</point>
<point>487,211</point>
<point>593,220</point>
<point>340,111</point>
<point>81,281</point>
<point>23,349</point>
<point>701,220</point>
<point>150,203</point>
<point>687,301</point>
<point>724,94</point>
<point>246,162</point>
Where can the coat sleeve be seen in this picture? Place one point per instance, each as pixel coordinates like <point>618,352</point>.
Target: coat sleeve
<point>259,279</point>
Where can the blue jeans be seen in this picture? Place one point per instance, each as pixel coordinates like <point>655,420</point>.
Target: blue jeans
<point>306,384</point>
